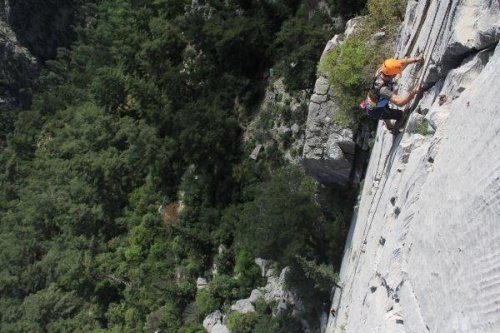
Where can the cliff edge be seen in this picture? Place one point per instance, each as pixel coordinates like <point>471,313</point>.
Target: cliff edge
<point>423,253</point>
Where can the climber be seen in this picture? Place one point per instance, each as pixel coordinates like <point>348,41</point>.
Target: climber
<point>381,92</point>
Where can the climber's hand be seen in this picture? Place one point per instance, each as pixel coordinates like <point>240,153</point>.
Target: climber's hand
<point>415,90</point>
<point>419,58</point>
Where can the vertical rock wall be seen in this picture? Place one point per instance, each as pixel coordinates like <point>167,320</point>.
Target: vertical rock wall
<point>423,253</point>
<point>328,153</point>
<point>18,68</point>
<point>41,25</point>
<point>30,32</point>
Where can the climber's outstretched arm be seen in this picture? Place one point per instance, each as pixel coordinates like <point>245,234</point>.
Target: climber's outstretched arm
<point>407,60</point>
<point>403,100</point>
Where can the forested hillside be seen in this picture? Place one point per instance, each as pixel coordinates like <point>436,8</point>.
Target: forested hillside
<point>147,108</point>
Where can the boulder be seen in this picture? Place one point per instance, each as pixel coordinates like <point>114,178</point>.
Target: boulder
<point>281,307</point>
<point>243,306</point>
<point>255,295</point>
<point>264,265</point>
<point>213,319</point>
<point>255,152</point>
<point>321,86</point>
<point>221,249</point>
<point>219,328</point>
<point>201,283</point>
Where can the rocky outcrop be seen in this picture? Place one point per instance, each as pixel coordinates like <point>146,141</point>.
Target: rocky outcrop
<point>18,69</point>
<point>30,32</point>
<point>201,283</point>
<point>265,266</point>
<point>214,323</point>
<point>274,291</point>
<point>423,252</point>
<point>243,306</point>
<point>279,124</point>
<point>328,153</point>
<point>41,26</point>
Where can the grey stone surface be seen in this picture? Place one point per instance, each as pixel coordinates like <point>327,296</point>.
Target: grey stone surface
<point>255,295</point>
<point>255,153</point>
<point>353,24</point>
<point>219,328</point>
<point>315,98</point>
<point>18,69</point>
<point>264,265</point>
<point>221,249</point>
<point>281,111</point>
<point>201,283</point>
<point>41,27</point>
<point>413,122</point>
<point>434,199</point>
<point>321,86</point>
<point>282,306</point>
<point>243,306</point>
<point>212,320</point>
<point>328,152</point>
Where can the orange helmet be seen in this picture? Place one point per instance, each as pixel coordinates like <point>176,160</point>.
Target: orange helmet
<point>391,67</point>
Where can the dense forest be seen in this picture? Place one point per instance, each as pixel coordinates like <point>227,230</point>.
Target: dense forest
<point>146,108</point>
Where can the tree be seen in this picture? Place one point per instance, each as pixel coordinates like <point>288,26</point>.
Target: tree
<point>280,222</point>
<point>297,48</point>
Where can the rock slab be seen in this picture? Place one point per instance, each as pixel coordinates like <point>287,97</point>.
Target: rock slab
<point>433,198</point>
<point>328,153</point>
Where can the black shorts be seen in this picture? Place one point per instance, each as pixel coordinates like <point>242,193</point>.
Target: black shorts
<point>384,113</point>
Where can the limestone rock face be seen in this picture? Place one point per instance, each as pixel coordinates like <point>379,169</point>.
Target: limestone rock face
<point>201,283</point>
<point>213,323</point>
<point>423,253</point>
<point>265,266</point>
<point>18,68</point>
<point>255,295</point>
<point>41,26</point>
<point>243,306</point>
<point>219,328</point>
<point>279,123</point>
<point>328,152</point>
<point>30,32</point>
<point>275,291</point>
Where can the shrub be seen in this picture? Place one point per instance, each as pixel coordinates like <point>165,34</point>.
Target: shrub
<point>247,273</point>
<point>192,328</point>
<point>323,275</point>
<point>351,66</point>
<point>224,287</point>
<point>167,318</point>
<point>346,8</point>
<point>393,12</point>
<point>206,302</point>
<point>423,127</point>
<point>224,261</point>
<point>278,324</point>
<point>350,69</point>
<point>266,324</point>
<point>241,323</point>
<point>262,307</point>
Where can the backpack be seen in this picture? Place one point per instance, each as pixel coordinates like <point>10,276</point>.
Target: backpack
<point>374,91</point>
